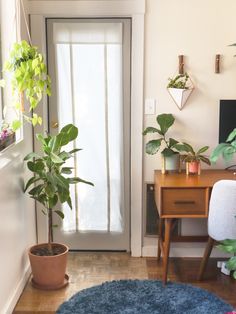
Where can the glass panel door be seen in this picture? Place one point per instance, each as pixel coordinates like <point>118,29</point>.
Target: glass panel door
<point>89,62</point>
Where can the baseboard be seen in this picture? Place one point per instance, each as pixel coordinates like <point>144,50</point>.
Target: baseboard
<point>11,302</point>
<point>183,250</point>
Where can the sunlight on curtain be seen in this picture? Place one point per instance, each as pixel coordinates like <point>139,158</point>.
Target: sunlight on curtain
<point>89,86</point>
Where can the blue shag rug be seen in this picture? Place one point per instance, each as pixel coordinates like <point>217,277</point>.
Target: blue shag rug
<point>144,297</point>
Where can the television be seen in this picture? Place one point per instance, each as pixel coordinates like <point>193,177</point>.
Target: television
<point>227,118</point>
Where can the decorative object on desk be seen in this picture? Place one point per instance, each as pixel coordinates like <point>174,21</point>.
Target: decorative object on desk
<point>7,137</point>
<point>193,158</point>
<point>144,296</point>
<point>51,187</point>
<point>29,80</point>
<point>227,151</point>
<point>180,88</point>
<point>170,156</point>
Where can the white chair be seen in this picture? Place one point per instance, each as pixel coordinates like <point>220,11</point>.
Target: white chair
<point>221,219</point>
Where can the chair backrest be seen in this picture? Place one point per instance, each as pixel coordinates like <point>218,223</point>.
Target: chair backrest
<point>222,211</point>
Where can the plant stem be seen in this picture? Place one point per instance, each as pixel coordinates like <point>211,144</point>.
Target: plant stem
<point>50,239</point>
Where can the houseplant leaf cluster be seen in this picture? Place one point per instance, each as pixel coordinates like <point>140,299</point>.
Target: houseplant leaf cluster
<point>50,183</point>
<point>179,81</point>
<point>226,150</point>
<point>164,121</point>
<point>29,79</point>
<point>229,246</point>
<point>192,155</point>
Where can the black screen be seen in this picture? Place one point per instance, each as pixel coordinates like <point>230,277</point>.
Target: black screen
<point>227,118</point>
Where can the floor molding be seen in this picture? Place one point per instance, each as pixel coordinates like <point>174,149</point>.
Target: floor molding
<point>11,302</point>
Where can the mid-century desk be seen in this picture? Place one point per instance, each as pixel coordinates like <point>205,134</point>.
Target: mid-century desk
<point>178,195</point>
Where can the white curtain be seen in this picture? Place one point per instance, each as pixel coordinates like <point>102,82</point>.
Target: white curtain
<point>89,94</point>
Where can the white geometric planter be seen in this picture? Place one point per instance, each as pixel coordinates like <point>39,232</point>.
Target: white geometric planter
<point>180,96</point>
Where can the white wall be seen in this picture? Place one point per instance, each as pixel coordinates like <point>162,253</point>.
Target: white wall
<point>199,30</point>
<point>17,230</point>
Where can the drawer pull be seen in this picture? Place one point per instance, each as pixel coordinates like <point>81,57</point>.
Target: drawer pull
<point>184,202</point>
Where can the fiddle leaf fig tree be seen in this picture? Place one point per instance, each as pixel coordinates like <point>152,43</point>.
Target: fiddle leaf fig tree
<point>164,121</point>
<point>29,80</point>
<point>51,180</point>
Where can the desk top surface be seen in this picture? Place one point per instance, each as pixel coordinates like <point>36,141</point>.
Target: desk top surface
<point>207,178</point>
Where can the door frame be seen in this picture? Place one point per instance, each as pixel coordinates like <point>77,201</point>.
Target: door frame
<point>135,9</point>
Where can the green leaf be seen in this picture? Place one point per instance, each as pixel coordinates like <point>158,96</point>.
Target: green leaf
<point>204,159</point>
<point>31,181</point>
<point>218,151</point>
<point>202,150</point>
<point>231,136</point>
<point>77,180</point>
<point>52,201</point>
<point>69,202</point>
<point>71,131</point>
<point>231,264</point>
<point>16,124</point>
<point>152,147</point>
<point>150,130</point>
<point>165,121</point>
<point>167,152</point>
<point>59,213</point>
<point>61,181</point>
<point>189,148</point>
<point>64,194</point>
<point>66,170</point>
<point>31,156</point>
<point>56,159</point>
<point>75,150</point>
<point>172,142</point>
<point>36,190</point>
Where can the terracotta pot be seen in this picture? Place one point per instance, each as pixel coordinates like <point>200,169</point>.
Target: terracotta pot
<point>193,167</point>
<point>49,272</point>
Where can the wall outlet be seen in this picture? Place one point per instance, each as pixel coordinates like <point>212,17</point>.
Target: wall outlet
<point>150,106</point>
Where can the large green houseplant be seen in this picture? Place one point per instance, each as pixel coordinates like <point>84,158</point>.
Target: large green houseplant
<point>29,80</point>
<point>50,186</point>
<point>164,121</point>
<point>227,151</point>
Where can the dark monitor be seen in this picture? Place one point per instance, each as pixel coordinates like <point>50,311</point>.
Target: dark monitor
<point>227,118</point>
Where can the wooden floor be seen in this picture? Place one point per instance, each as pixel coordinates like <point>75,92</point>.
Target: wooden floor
<point>89,269</point>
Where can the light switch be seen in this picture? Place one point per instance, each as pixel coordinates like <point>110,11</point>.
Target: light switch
<point>150,106</point>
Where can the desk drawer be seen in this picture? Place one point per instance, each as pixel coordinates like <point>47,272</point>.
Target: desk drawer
<point>184,201</point>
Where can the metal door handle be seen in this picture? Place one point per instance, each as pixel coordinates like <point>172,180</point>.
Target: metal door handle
<point>54,125</point>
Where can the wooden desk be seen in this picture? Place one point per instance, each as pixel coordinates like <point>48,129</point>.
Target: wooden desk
<point>178,195</point>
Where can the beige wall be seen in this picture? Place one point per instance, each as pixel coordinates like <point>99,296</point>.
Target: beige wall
<point>17,229</point>
<point>198,30</point>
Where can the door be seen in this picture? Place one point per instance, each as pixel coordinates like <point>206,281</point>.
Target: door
<point>89,63</point>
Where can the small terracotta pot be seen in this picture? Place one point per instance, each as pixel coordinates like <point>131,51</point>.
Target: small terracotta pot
<point>193,167</point>
<point>49,272</point>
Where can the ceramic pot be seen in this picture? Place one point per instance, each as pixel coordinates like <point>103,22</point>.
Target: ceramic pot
<point>49,272</point>
<point>193,167</point>
<point>170,163</point>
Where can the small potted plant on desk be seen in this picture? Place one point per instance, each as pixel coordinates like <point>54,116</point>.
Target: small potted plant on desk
<point>170,156</point>
<point>193,158</point>
<point>227,151</point>
<point>51,187</point>
<point>7,137</point>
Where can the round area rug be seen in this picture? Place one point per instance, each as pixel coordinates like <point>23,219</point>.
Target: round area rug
<point>144,297</point>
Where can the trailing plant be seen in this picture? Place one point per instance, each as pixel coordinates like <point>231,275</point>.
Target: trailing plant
<point>51,181</point>
<point>226,150</point>
<point>192,155</point>
<point>179,81</point>
<point>29,80</point>
<point>164,121</point>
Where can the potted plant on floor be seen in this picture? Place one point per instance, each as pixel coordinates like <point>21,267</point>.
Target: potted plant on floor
<point>227,151</point>
<point>180,88</point>
<point>193,158</point>
<point>170,155</point>
<point>50,186</point>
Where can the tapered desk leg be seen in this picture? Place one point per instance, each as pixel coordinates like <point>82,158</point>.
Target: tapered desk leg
<point>160,224</point>
<point>166,245</point>
<point>205,258</point>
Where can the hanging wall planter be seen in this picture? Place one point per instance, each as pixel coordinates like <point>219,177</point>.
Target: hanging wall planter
<point>180,96</point>
<point>180,88</point>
